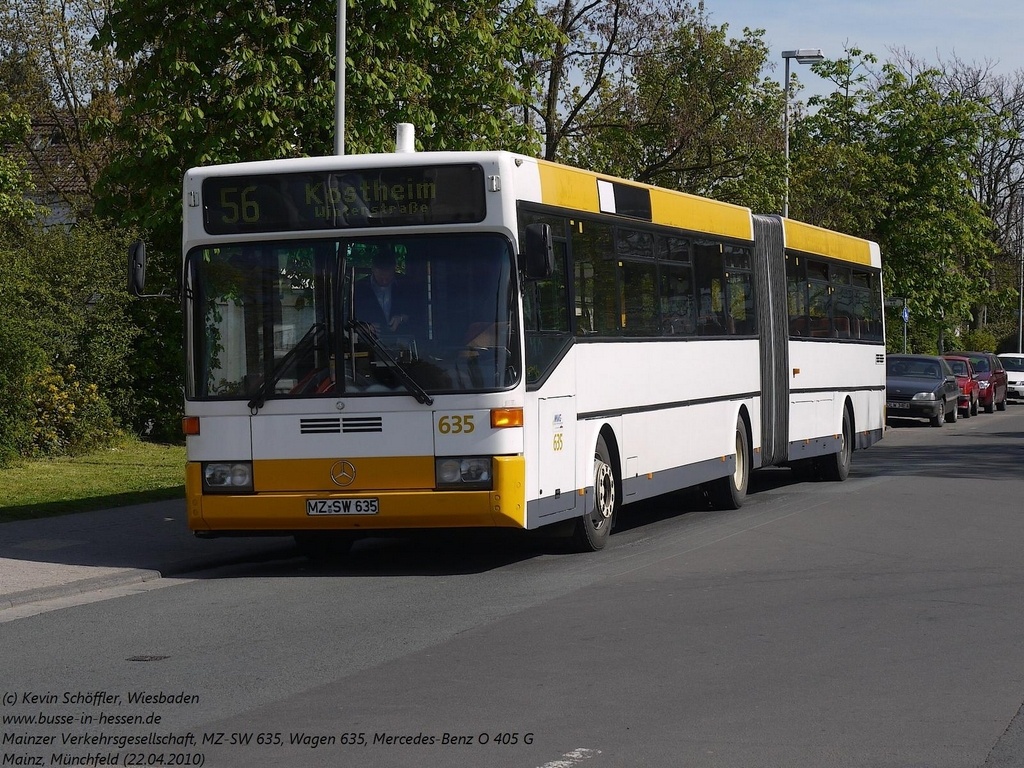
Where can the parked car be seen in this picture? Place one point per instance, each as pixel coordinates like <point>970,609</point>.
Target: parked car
<point>920,386</point>
<point>967,378</point>
<point>991,379</point>
<point>1013,362</point>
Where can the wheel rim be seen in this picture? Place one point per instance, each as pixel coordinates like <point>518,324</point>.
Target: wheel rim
<point>604,494</point>
<point>741,463</point>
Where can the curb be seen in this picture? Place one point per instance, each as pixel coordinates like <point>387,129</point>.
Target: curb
<point>141,575</point>
<point>82,586</point>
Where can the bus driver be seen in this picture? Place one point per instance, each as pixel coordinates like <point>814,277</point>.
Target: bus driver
<point>381,300</point>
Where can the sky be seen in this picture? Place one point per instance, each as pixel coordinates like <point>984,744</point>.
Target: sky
<point>975,31</point>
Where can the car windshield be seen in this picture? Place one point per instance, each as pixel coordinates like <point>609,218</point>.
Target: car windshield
<point>959,367</point>
<point>1013,363</point>
<point>981,364</point>
<point>923,369</point>
<point>408,316</point>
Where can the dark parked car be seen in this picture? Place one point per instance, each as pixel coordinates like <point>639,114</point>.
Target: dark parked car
<point>920,386</point>
<point>967,378</point>
<point>991,379</point>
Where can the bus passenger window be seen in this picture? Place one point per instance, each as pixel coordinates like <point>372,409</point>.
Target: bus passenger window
<point>597,304</point>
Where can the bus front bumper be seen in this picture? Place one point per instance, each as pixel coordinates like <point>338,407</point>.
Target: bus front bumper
<point>269,512</point>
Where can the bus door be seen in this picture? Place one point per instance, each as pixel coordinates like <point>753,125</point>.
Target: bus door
<point>557,453</point>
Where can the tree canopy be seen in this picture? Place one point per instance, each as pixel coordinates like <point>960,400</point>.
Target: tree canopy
<point>926,159</point>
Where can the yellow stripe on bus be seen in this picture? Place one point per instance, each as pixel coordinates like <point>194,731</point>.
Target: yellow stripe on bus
<point>566,187</point>
<point>815,240</point>
<point>674,209</point>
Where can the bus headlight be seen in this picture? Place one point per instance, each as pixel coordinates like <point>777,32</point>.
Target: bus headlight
<point>464,472</point>
<point>227,477</point>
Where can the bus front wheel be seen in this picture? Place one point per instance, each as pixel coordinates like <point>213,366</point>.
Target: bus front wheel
<point>592,530</point>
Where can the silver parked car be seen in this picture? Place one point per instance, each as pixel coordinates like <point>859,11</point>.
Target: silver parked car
<point>1013,362</point>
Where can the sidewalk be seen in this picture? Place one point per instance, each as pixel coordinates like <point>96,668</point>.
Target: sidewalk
<point>70,554</point>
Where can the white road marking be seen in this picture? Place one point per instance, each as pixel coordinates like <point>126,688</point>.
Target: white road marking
<point>569,759</point>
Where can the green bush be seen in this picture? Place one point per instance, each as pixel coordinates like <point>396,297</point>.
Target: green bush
<point>977,341</point>
<point>70,416</point>
<point>65,339</point>
<point>19,357</point>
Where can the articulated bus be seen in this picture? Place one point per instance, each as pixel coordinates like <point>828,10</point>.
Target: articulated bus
<point>560,343</point>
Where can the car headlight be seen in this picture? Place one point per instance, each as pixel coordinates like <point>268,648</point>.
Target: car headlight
<point>473,472</point>
<point>983,384</point>
<point>227,477</point>
<point>925,396</point>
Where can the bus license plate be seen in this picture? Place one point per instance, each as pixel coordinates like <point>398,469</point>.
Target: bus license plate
<point>897,406</point>
<point>366,506</point>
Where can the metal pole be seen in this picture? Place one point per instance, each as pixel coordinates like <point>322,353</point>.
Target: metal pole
<point>339,76</point>
<point>905,324</point>
<point>785,128</point>
<point>1020,284</point>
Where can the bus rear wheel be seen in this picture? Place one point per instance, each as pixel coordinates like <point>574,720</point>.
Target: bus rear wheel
<point>836,466</point>
<point>730,491</point>
<point>592,530</point>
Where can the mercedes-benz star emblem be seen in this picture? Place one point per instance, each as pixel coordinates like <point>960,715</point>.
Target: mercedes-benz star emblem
<point>343,473</point>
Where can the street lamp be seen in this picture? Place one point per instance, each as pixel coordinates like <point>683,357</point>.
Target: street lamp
<point>803,56</point>
<point>340,54</point>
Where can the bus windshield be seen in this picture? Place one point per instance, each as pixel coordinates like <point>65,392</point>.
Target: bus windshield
<point>414,315</point>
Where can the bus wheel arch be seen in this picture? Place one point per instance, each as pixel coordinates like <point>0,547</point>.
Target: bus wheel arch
<point>593,528</point>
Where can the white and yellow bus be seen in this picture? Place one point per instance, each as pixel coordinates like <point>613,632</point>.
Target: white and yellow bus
<point>562,343</point>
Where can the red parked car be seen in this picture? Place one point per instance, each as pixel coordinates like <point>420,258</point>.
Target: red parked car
<point>967,378</point>
<point>991,379</point>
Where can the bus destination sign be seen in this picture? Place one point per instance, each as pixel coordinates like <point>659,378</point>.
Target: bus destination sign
<point>378,197</point>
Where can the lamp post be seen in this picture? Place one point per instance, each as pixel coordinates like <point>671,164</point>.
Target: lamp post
<point>1020,285</point>
<point>803,56</point>
<point>340,53</point>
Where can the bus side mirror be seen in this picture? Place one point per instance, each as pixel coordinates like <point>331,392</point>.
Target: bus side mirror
<point>538,252</point>
<point>137,268</point>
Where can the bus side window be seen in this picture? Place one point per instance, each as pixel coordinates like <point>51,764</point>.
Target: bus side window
<point>596,279</point>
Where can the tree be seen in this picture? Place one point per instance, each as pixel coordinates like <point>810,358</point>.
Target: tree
<point>48,67</point>
<point>997,180</point>
<point>696,115</point>
<point>16,207</point>
<point>596,45</point>
<point>216,82</point>
<point>891,158</point>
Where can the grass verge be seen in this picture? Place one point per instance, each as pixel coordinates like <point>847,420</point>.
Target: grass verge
<point>132,472</point>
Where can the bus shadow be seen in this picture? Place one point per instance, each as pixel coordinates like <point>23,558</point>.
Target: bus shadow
<point>419,553</point>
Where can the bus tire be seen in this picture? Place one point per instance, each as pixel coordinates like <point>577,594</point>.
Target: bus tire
<point>324,546</point>
<point>592,530</point>
<point>730,491</point>
<point>836,466</point>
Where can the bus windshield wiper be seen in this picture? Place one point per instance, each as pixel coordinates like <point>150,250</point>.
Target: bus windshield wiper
<point>410,383</point>
<point>308,340</point>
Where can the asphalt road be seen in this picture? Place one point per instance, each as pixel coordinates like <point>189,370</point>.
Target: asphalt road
<point>876,622</point>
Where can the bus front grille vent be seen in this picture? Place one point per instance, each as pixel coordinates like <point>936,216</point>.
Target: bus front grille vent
<point>362,424</point>
<point>329,426</point>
